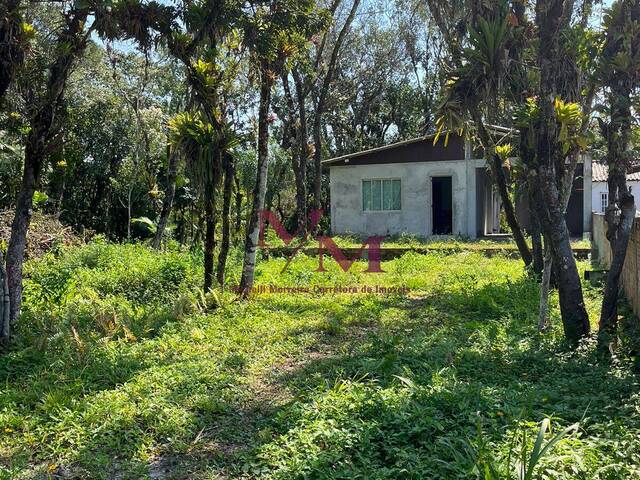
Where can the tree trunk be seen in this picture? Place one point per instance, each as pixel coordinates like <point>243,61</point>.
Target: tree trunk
<point>551,169</point>
<point>545,285</point>
<point>34,157</point>
<point>260,189</point>
<point>536,243</point>
<point>575,319</point>
<point>5,324</point>
<point>238,197</point>
<point>169,196</point>
<point>609,313</point>
<point>509,210</point>
<point>317,160</point>
<point>71,43</point>
<point>60,200</point>
<point>226,220</point>
<point>210,234</point>
<point>500,178</point>
<point>621,210</point>
<point>300,166</point>
<point>549,268</point>
<point>129,202</point>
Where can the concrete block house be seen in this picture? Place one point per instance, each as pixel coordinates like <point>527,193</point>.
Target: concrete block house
<point>426,190</point>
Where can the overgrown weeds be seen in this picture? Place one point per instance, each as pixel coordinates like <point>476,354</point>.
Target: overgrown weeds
<point>123,365</point>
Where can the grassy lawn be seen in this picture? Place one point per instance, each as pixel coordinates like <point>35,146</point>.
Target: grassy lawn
<point>126,371</point>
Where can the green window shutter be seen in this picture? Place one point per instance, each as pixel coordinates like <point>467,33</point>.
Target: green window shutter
<point>366,195</point>
<point>376,195</point>
<point>396,202</point>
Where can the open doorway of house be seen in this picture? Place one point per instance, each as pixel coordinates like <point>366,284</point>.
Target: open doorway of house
<point>442,205</point>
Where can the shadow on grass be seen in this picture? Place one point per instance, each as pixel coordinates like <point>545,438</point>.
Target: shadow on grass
<point>396,388</point>
<point>397,400</point>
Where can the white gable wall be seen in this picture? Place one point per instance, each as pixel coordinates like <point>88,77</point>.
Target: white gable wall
<point>600,187</point>
<point>348,217</point>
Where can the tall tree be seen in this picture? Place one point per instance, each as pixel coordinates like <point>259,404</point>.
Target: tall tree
<point>44,127</point>
<point>549,119</point>
<point>207,43</point>
<point>478,79</point>
<point>321,101</point>
<point>253,226</point>
<point>12,38</point>
<point>275,32</point>
<point>44,88</point>
<point>621,78</point>
<point>553,18</point>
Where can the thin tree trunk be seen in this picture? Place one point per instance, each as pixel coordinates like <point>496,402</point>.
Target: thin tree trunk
<point>500,178</point>
<point>536,242</point>
<point>260,190</point>
<point>545,285</point>
<point>226,220</point>
<point>321,105</point>
<point>169,196</point>
<point>63,187</point>
<point>5,324</point>
<point>238,197</point>
<point>129,201</point>
<point>317,159</point>
<point>509,209</point>
<point>300,154</point>
<point>43,129</point>
<point>24,208</point>
<point>210,239</point>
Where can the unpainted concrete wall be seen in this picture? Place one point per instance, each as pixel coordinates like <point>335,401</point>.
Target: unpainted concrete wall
<point>348,217</point>
<point>631,271</point>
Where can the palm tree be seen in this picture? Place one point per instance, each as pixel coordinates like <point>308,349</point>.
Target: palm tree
<point>206,149</point>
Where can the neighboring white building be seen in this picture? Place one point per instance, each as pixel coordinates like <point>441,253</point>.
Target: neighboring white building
<point>422,189</point>
<point>600,188</point>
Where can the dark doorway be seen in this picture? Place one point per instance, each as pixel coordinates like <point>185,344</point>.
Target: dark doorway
<point>442,205</point>
<point>576,204</point>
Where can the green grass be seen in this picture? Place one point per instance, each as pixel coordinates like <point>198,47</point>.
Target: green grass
<point>125,370</point>
<point>458,243</point>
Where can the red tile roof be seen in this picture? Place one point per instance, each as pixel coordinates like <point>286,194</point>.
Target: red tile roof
<point>600,173</point>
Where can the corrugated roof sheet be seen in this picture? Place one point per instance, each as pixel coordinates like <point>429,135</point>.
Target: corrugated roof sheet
<point>600,173</point>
